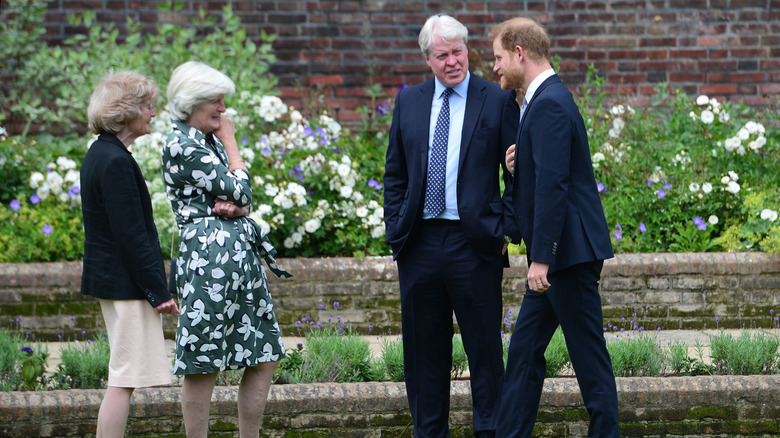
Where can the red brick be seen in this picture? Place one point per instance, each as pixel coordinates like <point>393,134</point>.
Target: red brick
<point>718,40</point>
<point>715,89</point>
<point>747,77</point>
<point>687,77</point>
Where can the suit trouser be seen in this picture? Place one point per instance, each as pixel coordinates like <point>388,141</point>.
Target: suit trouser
<point>440,273</point>
<point>573,301</point>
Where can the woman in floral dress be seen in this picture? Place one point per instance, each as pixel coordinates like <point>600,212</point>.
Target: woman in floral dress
<point>227,318</point>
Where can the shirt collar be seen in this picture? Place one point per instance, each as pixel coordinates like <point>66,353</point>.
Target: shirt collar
<point>460,89</point>
<point>529,93</point>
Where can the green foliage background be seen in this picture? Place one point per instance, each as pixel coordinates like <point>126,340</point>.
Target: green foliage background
<point>652,163</point>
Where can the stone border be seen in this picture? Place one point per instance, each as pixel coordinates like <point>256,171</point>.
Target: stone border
<point>649,406</point>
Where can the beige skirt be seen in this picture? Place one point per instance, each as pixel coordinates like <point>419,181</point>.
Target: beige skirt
<point>135,335</point>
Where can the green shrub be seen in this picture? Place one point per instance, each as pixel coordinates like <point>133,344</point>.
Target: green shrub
<point>556,355</point>
<point>679,362</point>
<point>634,356</point>
<point>753,352</point>
<point>22,364</point>
<point>85,365</point>
<point>392,359</point>
<point>335,355</point>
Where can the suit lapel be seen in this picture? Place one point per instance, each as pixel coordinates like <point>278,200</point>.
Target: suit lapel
<point>422,112</point>
<point>475,100</point>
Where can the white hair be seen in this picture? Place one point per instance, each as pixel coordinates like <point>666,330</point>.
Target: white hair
<point>192,84</point>
<point>445,27</point>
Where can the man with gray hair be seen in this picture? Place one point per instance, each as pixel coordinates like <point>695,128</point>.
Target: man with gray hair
<point>445,218</point>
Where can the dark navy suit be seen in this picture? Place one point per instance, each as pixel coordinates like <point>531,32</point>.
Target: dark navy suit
<point>558,214</point>
<point>450,265</point>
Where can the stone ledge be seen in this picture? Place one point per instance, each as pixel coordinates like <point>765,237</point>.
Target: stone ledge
<point>335,269</point>
<point>703,406</point>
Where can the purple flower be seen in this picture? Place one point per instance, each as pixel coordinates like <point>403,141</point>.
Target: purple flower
<point>403,86</point>
<point>300,345</point>
<point>661,193</point>
<point>717,319</point>
<point>308,131</point>
<point>642,227</point>
<point>35,199</point>
<point>15,204</point>
<point>372,183</point>
<point>621,229</point>
<point>381,109</point>
<point>700,224</point>
<point>600,187</point>
<point>266,150</point>
<point>47,229</point>
<point>336,304</point>
<point>75,190</point>
<point>618,235</point>
<point>650,183</point>
<point>27,350</point>
<point>244,140</point>
<point>667,186</point>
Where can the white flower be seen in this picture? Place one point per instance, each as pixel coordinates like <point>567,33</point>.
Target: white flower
<point>361,211</point>
<point>702,100</point>
<point>597,158</point>
<point>733,175</point>
<point>692,115</point>
<point>732,187</point>
<point>694,187</point>
<point>345,191</point>
<point>36,178</point>
<point>618,124</point>
<point>713,220</point>
<point>741,150</point>
<point>723,117</point>
<point>743,134</point>
<point>706,187</point>
<point>707,116</point>
<point>296,116</point>
<point>311,225</point>
<point>770,215</point>
<point>378,232</point>
<point>297,237</point>
<point>725,180</point>
<point>288,243</point>
<point>343,169</point>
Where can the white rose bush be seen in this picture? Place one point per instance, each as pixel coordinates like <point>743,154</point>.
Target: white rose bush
<point>688,175</point>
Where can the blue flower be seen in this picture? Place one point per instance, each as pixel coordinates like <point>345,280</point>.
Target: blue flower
<point>336,304</point>
<point>667,186</point>
<point>403,86</point>
<point>27,350</point>
<point>600,187</point>
<point>35,199</point>
<point>266,150</point>
<point>661,193</point>
<point>700,224</point>
<point>47,229</point>
<point>15,204</point>
<point>308,131</point>
<point>75,190</point>
<point>381,109</point>
<point>618,235</point>
<point>244,140</point>
<point>642,227</point>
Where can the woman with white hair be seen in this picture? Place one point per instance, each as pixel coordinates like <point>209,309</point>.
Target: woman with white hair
<point>227,319</point>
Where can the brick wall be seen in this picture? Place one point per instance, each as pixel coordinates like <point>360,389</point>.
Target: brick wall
<point>678,291</point>
<point>705,406</point>
<point>728,49</point>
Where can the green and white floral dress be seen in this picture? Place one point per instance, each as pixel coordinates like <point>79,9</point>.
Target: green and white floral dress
<point>227,316</point>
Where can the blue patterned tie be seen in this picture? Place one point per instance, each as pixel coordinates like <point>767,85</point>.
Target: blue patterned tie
<point>437,165</point>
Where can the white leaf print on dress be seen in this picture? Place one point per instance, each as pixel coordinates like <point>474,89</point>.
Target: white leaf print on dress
<point>246,328</point>
<point>242,353</point>
<point>186,338</point>
<point>203,179</point>
<point>197,314</point>
<point>268,355</point>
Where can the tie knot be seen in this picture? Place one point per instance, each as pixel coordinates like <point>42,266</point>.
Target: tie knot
<point>447,93</point>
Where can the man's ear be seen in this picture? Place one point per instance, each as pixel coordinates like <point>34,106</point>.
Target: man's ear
<point>519,52</point>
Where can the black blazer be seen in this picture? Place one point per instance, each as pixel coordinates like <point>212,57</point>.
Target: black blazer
<point>489,128</point>
<point>122,257</point>
<point>557,207</point>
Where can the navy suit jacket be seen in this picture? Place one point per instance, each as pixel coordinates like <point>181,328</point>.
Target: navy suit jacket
<point>557,208</point>
<point>489,128</point>
<point>122,257</point>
